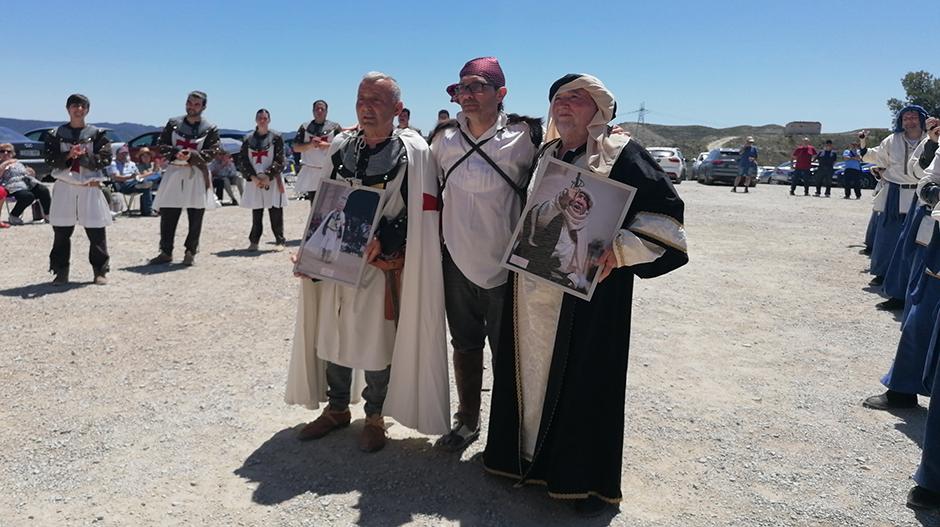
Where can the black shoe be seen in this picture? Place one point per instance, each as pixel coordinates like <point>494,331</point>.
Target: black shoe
<point>845,197</point>
<point>923,499</point>
<point>891,400</point>
<point>162,258</point>
<point>734,189</point>
<point>878,280</point>
<point>791,193</point>
<point>61,277</point>
<point>866,251</point>
<point>592,506</point>
<point>816,194</point>
<point>891,304</point>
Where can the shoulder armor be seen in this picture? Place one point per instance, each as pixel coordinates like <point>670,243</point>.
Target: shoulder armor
<point>535,126</point>
<point>446,125</point>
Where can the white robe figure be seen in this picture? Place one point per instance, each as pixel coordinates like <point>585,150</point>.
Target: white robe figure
<point>324,244</point>
<point>892,155</point>
<point>313,161</point>
<point>73,202</point>
<point>258,158</point>
<point>347,326</point>
<point>183,185</point>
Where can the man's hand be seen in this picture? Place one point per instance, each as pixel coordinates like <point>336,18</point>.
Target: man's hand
<point>564,199</point>
<point>372,250</point>
<point>933,129</point>
<point>606,264</point>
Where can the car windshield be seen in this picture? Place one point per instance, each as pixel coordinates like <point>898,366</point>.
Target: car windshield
<point>9,136</point>
<point>660,152</point>
<point>145,140</point>
<point>730,155</point>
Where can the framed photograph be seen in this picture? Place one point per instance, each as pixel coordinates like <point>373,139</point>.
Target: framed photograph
<point>341,222</point>
<point>569,221</point>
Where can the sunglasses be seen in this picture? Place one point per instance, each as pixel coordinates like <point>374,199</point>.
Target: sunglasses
<point>460,89</point>
<point>7,152</point>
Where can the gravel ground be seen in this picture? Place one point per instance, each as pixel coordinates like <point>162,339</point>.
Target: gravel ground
<point>158,399</point>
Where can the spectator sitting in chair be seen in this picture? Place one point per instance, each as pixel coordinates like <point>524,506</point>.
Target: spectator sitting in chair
<point>224,174</point>
<point>19,181</point>
<point>128,180</point>
<point>148,168</point>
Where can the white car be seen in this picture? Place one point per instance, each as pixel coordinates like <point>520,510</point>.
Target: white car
<point>670,160</point>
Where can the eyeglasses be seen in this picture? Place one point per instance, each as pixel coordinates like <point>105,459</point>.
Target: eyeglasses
<point>459,89</point>
<point>6,152</point>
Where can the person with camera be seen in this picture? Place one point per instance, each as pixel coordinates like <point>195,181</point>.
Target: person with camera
<point>894,201</point>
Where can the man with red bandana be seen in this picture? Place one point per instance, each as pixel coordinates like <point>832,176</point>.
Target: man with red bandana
<point>485,157</point>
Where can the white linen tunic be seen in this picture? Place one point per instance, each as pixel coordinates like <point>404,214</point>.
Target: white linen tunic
<point>183,186</point>
<point>892,155</point>
<point>480,208</point>
<point>261,160</point>
<point>312,161</point>
<point>73,203</point>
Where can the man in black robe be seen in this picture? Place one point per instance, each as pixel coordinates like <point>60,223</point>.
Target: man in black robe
<point>556,417</point>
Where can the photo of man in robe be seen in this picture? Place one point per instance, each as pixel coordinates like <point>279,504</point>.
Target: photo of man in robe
<point>552,241</point>
<point>326,240</point>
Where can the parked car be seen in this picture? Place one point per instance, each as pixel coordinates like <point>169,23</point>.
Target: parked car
<point>28,151</point>
<point>721,165</point>
<point>697,164</point>
<point>764,174</point>
<point>868,180</point>
<point>670,160</point>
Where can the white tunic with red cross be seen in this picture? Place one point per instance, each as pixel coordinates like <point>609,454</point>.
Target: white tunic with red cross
<point>256,197</point>
<point>183,186</point>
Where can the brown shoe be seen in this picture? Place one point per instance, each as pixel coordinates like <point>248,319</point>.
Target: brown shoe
<point>372,438</point>
<point>326,423</point>
<point>189,259</point>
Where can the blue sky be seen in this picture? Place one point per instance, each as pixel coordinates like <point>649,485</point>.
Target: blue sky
<point>710,63</point>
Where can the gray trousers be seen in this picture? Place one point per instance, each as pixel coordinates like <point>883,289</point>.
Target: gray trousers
<point>473,313</point>
<point>339,383</point>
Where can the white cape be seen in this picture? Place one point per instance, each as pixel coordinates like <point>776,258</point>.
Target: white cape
<point>419,387</point>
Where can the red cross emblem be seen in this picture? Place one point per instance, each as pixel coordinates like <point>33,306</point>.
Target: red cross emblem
<point>185,143</point>
<point>259,155</point>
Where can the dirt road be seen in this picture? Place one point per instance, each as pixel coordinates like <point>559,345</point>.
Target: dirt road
<point>157,399</point>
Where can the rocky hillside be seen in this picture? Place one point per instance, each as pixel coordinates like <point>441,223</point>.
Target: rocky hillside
<point>775,147</point>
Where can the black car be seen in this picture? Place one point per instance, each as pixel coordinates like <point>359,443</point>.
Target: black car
<point>28,151</point>
<point>868,180</point>
<point>721,165</point>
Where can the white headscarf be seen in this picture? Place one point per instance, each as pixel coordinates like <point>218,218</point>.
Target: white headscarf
<point>602,148</point>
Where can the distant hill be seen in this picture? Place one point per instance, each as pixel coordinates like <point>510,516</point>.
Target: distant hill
<point>774,146</point>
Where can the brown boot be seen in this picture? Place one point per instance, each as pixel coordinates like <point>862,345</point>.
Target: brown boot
<point>328,421</point>
<point>372,438</point>
<point>468,376</point>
